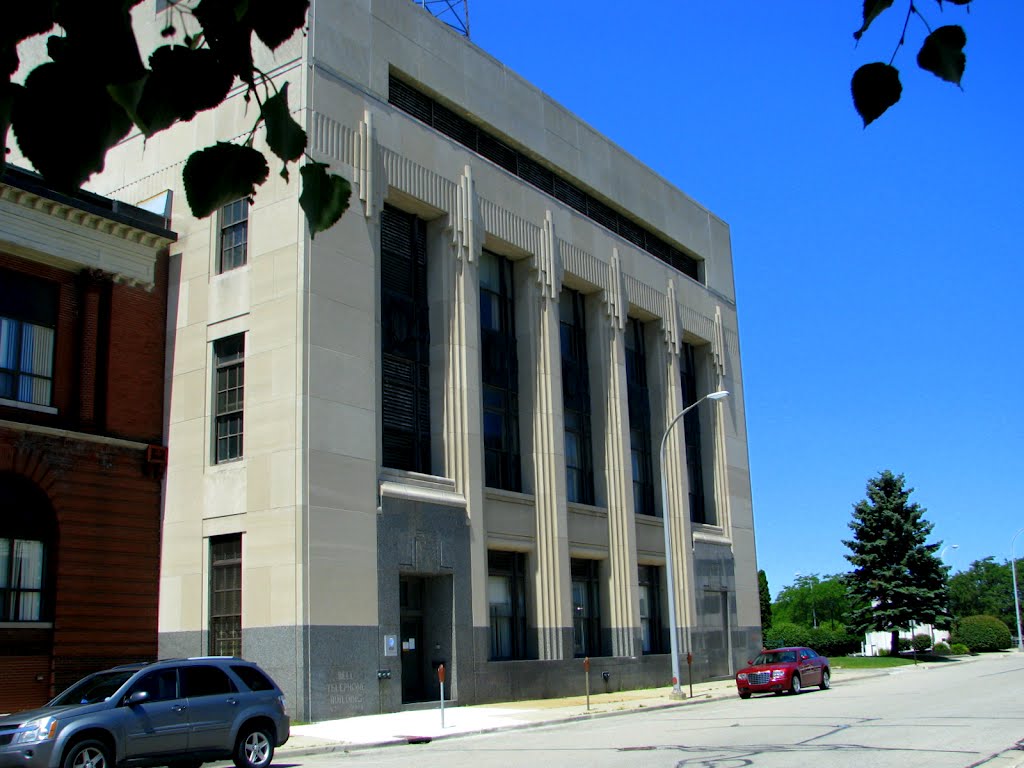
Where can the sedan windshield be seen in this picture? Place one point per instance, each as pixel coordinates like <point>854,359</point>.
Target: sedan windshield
<point>775,657</point>
<point>93,689</point>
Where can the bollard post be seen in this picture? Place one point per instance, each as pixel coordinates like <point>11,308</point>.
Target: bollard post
<point>689,670</point>
<point>586,673</point>
<point>440,677</point>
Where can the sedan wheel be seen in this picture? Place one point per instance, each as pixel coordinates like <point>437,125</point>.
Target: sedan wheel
<point>826,680</point>
<point>794,685</point>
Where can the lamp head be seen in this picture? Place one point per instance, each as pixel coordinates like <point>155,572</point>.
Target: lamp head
<point>718,395</point>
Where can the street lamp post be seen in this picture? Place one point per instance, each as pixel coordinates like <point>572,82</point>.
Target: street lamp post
<point>670,581</point>
<point>1016,597</point>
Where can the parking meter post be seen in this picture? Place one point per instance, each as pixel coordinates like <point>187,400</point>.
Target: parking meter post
<point>440,678</point>
<point>689,670</point>
<point>586,673</point>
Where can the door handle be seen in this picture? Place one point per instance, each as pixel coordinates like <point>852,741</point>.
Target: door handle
<point>178,708</point>
<point>233,702</point>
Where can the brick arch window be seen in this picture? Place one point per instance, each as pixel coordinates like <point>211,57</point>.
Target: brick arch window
<point>27,546</point>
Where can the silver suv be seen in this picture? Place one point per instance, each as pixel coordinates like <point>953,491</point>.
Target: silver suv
<point>178,713</point>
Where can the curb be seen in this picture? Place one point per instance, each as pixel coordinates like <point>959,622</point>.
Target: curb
<point>696,700</point>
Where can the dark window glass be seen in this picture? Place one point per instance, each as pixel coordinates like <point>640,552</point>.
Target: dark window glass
<point>234,234</point>
<point>506,595</point>
<point>203,680</point>
<point>699,512</point>
<point>424,108</point>
<point>161,685</point>
<point>650,609</point>
<point>405,342</point>
<point>500,373</point>
<point>254,679</point>
<point>28,321</point>
<point>586,608</point>
<point>639,418</point>
<point>229,384</point>
<point>226,595</point>
<point>26,536</point>
<point>579,471</point>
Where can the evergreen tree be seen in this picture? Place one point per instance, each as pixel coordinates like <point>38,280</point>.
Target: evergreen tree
<point>766,602</point>
<point>898,579</point>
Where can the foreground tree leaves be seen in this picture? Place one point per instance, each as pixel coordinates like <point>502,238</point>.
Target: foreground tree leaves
<point>182,82</point>
<point>285,137</point>
<point>872,9</point>
<point>875,87</point>
<point>324,196</point>
<point>65,123</point>
<point>943,53</point>
<point>73,109</point>
<point>221,174</point>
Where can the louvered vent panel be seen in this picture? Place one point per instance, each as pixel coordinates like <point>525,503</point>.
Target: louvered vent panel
<point>497,152</point>
<point>536,174</point>
<point>409,100</point>
<point>571,195</point>
<point>450,124</point>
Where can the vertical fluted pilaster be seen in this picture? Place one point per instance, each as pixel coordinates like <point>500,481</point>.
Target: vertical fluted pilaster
<point>624,600</point>
<point>462,440</point>
<point>554,614</point>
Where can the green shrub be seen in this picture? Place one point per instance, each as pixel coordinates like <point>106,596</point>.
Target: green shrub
<point>941,649</point>
<point>959,649</point>
<point>828,641</point>
<point>921,642</point>
<point>982,633</point>
<point>883,651</point>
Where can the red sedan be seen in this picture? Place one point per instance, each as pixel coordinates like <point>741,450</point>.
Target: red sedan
<point>783,669</point>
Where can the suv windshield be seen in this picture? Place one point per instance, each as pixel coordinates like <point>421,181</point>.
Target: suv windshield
<point>93,689</point>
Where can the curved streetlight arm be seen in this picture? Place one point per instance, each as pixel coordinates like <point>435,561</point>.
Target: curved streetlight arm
<point>669,579</point>
<point>1016,596</point>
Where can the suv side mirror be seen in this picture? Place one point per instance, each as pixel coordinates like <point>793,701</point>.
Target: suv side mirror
<point>138,697</point>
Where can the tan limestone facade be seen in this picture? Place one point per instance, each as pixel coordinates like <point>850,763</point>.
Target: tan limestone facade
<point>498,509</point>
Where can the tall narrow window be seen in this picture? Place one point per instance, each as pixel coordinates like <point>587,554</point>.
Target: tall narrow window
<point>650,609</point>
<point>506,595</point>
<point>28,319</point>
<point>226,595</point>
<point>699,512</point>
<point>27,529</point>
<point>405,342</point>
<point>234,234</point>
<point>229,386</point>
<point>639,418</point>
<point>586,608</point>
<point>500,374</point>
<point>579,471</point>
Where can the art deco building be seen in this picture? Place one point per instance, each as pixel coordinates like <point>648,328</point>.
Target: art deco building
<point>432,433</point>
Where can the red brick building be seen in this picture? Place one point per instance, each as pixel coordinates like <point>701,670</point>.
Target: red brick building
<point>83,307</point>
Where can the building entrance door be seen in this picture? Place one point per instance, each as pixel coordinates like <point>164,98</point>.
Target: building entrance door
<point>411,622</point>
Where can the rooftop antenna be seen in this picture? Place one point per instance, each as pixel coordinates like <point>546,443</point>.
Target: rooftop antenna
<point>454,13</point>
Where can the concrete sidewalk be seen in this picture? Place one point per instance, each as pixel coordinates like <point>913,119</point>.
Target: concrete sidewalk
<point>422,725</point>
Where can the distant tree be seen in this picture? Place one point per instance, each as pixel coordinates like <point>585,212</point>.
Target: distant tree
<point>813,601</point>
<point>876,86</point>
<point>95,88</point>
<point>766,602</point>
<point>897,579</point>
<point>986,588</point>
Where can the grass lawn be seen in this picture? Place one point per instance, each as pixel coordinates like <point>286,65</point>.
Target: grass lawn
<point>879,662</point>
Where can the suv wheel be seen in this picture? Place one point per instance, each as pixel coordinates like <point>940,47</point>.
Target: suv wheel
<point>255,748</point>
<point>88,754</point>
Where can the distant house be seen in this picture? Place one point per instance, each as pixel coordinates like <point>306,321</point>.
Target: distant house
<point>882,641</point>
<point>83,287</point>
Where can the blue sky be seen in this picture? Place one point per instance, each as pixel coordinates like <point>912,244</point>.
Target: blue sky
<point>878,271</point>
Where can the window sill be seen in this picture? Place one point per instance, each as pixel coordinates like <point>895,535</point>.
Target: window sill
<point>26,625</point>
<point>516,497</point>
<point>27,406</point>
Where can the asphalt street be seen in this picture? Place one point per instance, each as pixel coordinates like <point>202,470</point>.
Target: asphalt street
<point>955,716</point>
